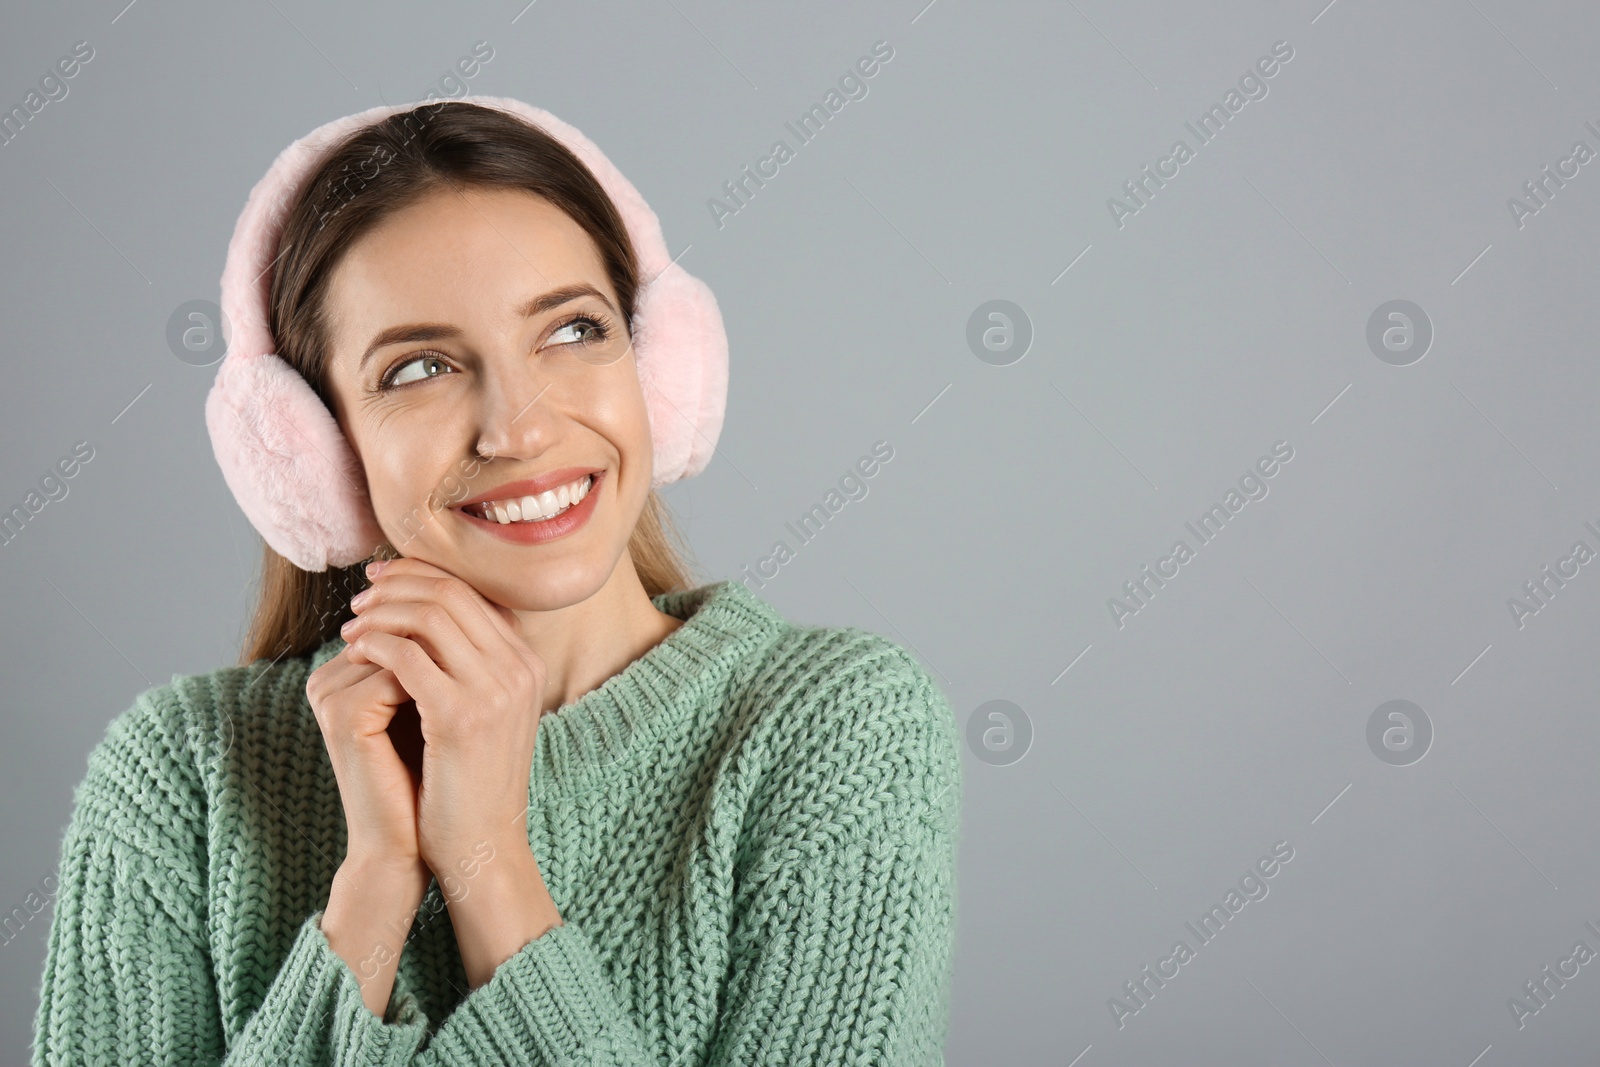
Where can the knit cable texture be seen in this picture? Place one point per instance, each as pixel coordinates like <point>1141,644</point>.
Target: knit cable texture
<point>750,833</point>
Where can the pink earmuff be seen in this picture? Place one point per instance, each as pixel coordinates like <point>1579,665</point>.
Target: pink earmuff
<point>280,449</point>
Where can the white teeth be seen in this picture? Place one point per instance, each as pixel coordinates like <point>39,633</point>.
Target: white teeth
<point>546,505</point>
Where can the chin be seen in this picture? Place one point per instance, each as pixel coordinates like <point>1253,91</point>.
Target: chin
<point>536,586</point>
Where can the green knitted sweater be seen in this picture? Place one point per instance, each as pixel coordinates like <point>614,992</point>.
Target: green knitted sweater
<point>749,831</point>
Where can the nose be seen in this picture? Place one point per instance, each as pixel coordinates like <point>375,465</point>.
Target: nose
<point>515,414</point>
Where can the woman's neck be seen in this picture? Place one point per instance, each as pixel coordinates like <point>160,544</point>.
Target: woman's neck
<point>585,643</point>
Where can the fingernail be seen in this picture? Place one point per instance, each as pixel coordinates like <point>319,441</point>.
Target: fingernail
<point>361,598</point>
<point>374,567</point>
<point>348,626</point>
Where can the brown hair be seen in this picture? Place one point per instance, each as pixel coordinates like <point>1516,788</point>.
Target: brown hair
<point>375,172</point>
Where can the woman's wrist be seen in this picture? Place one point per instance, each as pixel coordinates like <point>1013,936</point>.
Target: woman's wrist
<point>506,906</point>
<point>371,906</point>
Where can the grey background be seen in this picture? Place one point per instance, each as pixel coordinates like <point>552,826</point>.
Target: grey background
<point>1230,313</point>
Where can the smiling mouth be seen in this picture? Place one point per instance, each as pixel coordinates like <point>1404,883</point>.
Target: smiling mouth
<point>540,507</point>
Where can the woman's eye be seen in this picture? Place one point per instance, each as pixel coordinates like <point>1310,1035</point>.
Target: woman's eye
<point>403,373</point>
<point>591,331</point>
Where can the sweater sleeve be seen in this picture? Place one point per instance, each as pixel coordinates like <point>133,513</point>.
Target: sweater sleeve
<point>126,980</point>
<point>313,1015</point>
<point>127,969</point>
<point>128,976</point>
<point>844,959</point>
<point>845,922</point>
<point>549,1004</point>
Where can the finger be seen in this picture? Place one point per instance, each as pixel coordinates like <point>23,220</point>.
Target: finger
<point>383,692</point>
<point>464,605</point>
<point>418,674</point>
<point>419,568</point>
<point>362,712</point>
<point>340,672</point>
<point>506,620</point>
<point>433,626</point>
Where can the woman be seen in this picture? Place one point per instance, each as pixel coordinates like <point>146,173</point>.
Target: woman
<point>530,797</point>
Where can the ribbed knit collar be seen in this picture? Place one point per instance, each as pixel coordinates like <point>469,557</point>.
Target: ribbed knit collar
<point>724,623</point>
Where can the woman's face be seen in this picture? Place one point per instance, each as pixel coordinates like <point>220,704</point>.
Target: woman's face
<point>437,360</point>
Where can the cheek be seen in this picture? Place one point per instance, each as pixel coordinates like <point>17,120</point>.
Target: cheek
<point>403,470</point>
<point>639,427</point>
<point>619,413</point>
<point>632,434</point>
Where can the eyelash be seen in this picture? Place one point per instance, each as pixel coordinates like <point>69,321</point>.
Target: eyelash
<point>601,332</point>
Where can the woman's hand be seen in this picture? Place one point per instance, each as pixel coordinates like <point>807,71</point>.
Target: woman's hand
<point>356,702</point>
<point>479,691</point>
<point>364,715</point>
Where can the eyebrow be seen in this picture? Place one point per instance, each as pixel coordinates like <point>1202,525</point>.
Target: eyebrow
<point>439,331</point>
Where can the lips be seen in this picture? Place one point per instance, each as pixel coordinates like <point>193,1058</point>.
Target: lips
<point>534,508</point>
<point>539,531</point>
<point>531,486</point>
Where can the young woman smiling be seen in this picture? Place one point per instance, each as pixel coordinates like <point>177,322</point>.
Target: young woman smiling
<point>531,796</point>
